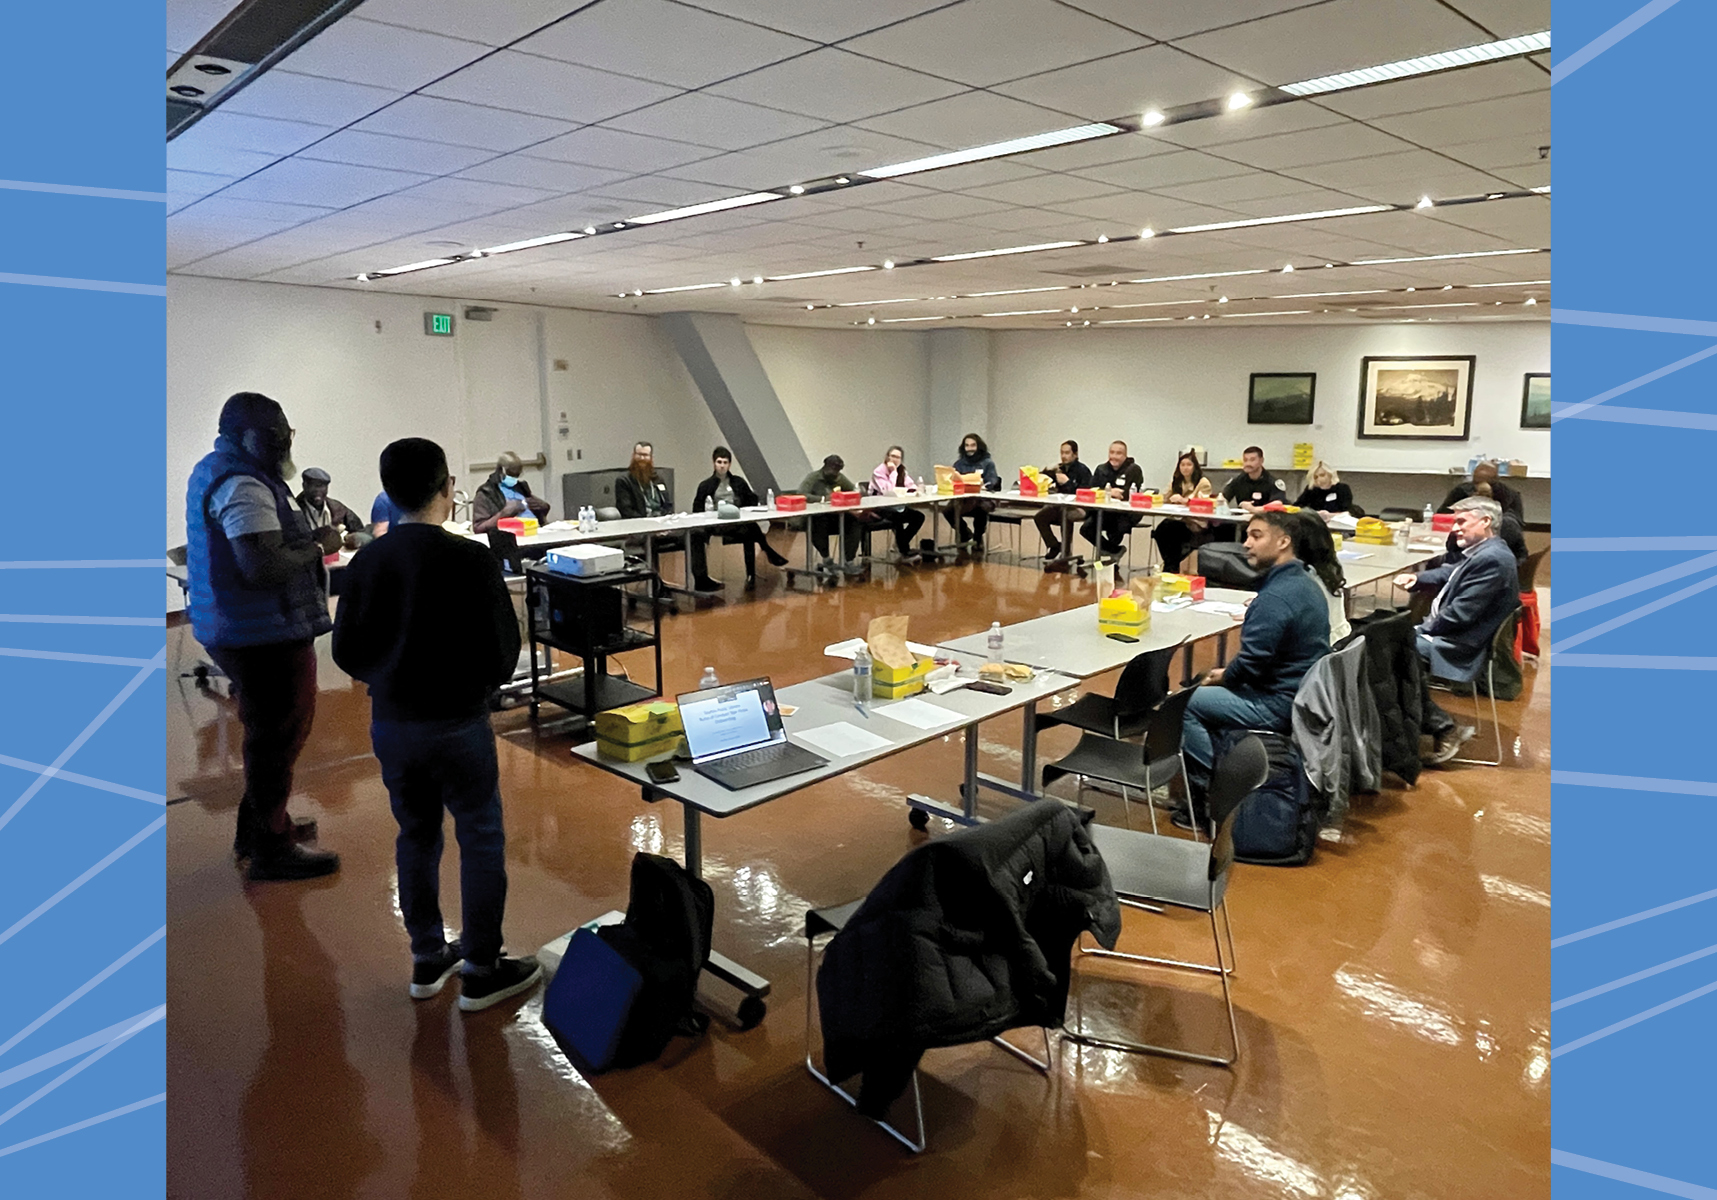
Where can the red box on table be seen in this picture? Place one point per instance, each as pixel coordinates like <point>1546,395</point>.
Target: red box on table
<point>1201,504</point>
<point>518,526</point>
<point>1142,500</point>
<point>791,502</point>
<point>844,499</point>
<point>1442,522</point>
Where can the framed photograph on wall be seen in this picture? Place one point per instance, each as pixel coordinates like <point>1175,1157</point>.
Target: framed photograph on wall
<point>1281,398</point>
<point>1402,397</point>
<point>1535,401</point>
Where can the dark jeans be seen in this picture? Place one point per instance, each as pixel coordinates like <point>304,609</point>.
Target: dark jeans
<point>1054,525</point>
<point>1434,720</point>
<point>436,767</point>
<point>276,704</point>
<point>1116,526</point>
<point>1177,539</point>
<point>748,536</point>
<point>979,511</point>
<point>823,526</point>
<point>905,522</point>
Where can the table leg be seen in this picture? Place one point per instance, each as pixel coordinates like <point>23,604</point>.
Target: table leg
<point>747,981</point>
<point>1028,750</point>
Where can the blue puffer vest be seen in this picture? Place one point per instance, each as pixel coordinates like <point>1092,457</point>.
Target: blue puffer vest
<point>225,610</point>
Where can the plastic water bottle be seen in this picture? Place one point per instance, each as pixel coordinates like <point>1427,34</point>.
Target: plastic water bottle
<point>709,504</point>
<point>921,485</point>
<point>994,641</point>
<point>770,502</point>
<point>861,678</point>
<point>708,680</point>
<point>1428,514</point>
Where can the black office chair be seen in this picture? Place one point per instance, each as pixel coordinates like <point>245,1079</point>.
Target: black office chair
<point>1529,569</point>
<point>1151,872</point>
<point>1158,763</point>
<point>1143,685</point>
<point>1394,514</point>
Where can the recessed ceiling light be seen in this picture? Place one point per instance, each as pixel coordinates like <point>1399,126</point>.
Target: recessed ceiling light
<point>1542,191</point>
<point>757,279</point>
<point>530,243</point>
<point>1147,232</point>
<point>1152,118</point>
<point>1102,239</point>
<point>842,179</point>
<point>1447,286</point>
<point>363,276</point>
<point>872,321</point>
<point>618,225</point>
<point>734,282</point>
<point>1532,299</point>
<point>888,264</point>
<point>1305,216</point>
<point>1239,100</point>
<point>590,229</point>
<point>1424,202</point>
<point>698,210</point>
<point>1004,250</point>
<point>1488,52</point>
<point>1038,141</point>
<point>1412,289</point>
<point>1223,300</point>
<point>1288,270</point>
<point>797,190</point>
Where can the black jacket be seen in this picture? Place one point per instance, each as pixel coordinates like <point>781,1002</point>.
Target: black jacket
<point>1337,498</point>
<point>1504,495</point>
<point>488,502</point>
<point>629,496</point>
<point>966,936</point>
<point>742,493</point>
<point>1263,490</point>
<point>339,516</point>
<point>1078,476</point>
<point>1127,477</point>
<point>1509,531</point>
<point>1396,675</point>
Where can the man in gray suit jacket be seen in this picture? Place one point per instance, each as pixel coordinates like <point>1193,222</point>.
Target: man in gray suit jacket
<point>1476,596</point>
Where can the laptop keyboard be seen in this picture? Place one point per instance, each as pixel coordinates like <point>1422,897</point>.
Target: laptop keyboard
<point>751,758</point>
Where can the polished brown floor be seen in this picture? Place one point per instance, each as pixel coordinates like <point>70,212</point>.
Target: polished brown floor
<point>1393,996</point>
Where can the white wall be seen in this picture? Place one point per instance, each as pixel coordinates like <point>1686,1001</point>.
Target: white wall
<point>1161,389</point>
<point>851,392</point>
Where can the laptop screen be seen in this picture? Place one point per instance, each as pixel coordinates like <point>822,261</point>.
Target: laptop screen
<point>725,720</point>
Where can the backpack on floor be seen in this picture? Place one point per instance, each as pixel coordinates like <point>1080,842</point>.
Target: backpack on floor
<point>1277,825</point>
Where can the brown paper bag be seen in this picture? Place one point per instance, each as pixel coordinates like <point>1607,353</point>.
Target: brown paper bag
<point>1143,589</point>
<point>944,476</point>
<point>887,641</point>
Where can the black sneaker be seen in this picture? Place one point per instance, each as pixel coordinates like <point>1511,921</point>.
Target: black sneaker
<point>506,979</point>
<point>707,585</point>
<point>291,861</point>
<point>429,975</point>
<point>244,840</point>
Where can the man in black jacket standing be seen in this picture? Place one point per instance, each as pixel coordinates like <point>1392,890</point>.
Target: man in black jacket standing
<point>723,487</point>
<point>1069,475</point>
<point>427,622</point>
<point>1121,476</point>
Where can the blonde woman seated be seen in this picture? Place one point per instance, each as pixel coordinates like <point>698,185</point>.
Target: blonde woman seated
<point>1178,536</point>
<point>1325,493</point>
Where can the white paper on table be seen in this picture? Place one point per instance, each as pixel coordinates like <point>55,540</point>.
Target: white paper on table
<point>849,649</point>
<point>1168,606</point>
<point>1351,555</point>
<point>843,739</point>
<point>920,714</point>
<point>1344,523</point>
<point>1221,607</point>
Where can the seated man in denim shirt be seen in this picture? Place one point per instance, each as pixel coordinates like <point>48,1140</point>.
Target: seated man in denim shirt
<point>1286,630</point>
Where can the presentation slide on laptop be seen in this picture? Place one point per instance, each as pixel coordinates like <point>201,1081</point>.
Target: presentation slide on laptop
<point>717,726</point>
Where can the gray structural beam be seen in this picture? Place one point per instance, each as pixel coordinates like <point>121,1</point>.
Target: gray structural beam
<point>723,364</point>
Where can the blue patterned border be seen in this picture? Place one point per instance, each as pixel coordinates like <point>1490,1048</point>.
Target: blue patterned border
<point>1634,954</point>
<point>82,644</point>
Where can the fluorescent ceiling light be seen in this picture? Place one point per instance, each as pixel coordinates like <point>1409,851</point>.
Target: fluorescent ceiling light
<point>1156,304</point>
<point>1291,312</point>
<point>416,266</point>
<point>904,320</point>
<point>529,243</point>
<point>1202,275</point>
<point>1515,283</point>
<point>1463,304</point>
<point>1531,43</point>
<point>1542,191</point>
<point>698,210</point>
<point>1314,295</point>
<point>684,287</point>
<point>1004,250</point>
<point>818,274</point>
<point>1060,287</point>
<point>901,300</point>
<point>1024,312</point>
<point>1137,320</point>
<point>1373,262</point>
<point>1306,216</point>
<point>1038,141</point>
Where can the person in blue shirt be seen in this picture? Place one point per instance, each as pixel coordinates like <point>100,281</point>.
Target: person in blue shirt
<point>505,494</point>
<point>383,513</point>
<point>1286,630</point>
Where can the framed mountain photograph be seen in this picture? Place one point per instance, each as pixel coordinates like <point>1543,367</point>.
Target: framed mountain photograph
<point>1402,397</point>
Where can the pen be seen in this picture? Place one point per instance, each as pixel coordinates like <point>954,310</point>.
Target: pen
<point>861,711</point>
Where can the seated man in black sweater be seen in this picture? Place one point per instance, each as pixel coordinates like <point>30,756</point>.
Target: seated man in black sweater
<point>723,487</point>
<point>427,622</point>
<point>1069,476</point>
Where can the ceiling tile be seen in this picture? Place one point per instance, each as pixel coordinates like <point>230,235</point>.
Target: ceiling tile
<point>542,173</point>
<point>983,42</point>
<point>261,135</point>
<point>1408,173</point>
<point>1505,152</point>
<point>1045,189</point>
<point>969,119</point>
<point>666,42</point>
<point>438,120</point>
<point>1159,170</point>
<point>1485,82</point>
<point>288,94</point>
<point>395,153</point>
<point>812,155</point>
<point>182,185</point>
<point>1127,84</point>
<point>193,156</point>
<point>487,197</point>
<point>614,149</point>
<point>1508,18</point>
<point>1332,143</point>
<point>1524,222</point>
<point>646,193</point>
<point>1528,115</point>
<point>492,24</point>
<point>834,85</point>
<point>1312,200</point>
<point>942,206</point>
<point>714,121</point>
<point>1166,19</point>
<point>304,181</point>
<point>822,20</point>
<point>548,88</point>
<point>218,210</point>
<point>1255,186</point>
<point>1339,35</point>
<point>1130,211</point>
<point>1249,124</point>
<point>189,20</point>
<point>383,56</point>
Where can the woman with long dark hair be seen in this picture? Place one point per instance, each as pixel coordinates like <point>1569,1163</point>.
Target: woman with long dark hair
<point>1314,546</point>
<point>890,478</point>
<point>1178,536</point>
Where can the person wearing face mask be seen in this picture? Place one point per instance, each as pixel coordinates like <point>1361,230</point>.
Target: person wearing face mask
<point>504,494</point>
<point>258,601</point>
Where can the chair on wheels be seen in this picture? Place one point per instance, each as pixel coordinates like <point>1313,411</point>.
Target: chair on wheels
<point>821,922</point>
<point>1158,763</point>
<point>1143,685</point>
<point>1150,870</point>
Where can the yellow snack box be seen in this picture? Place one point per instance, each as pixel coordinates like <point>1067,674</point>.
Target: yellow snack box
<point>895,683</point>
<point>639,731</point>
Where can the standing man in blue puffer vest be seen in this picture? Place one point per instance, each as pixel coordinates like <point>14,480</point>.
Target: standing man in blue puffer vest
<point>258,601</point>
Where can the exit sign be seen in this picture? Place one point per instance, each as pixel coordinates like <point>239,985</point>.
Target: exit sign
<point>438,324</point>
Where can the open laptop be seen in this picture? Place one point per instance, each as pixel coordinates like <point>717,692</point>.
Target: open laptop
<point>735,735</point>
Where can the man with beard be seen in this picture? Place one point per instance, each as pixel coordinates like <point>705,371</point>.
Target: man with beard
<point>258,601</point>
